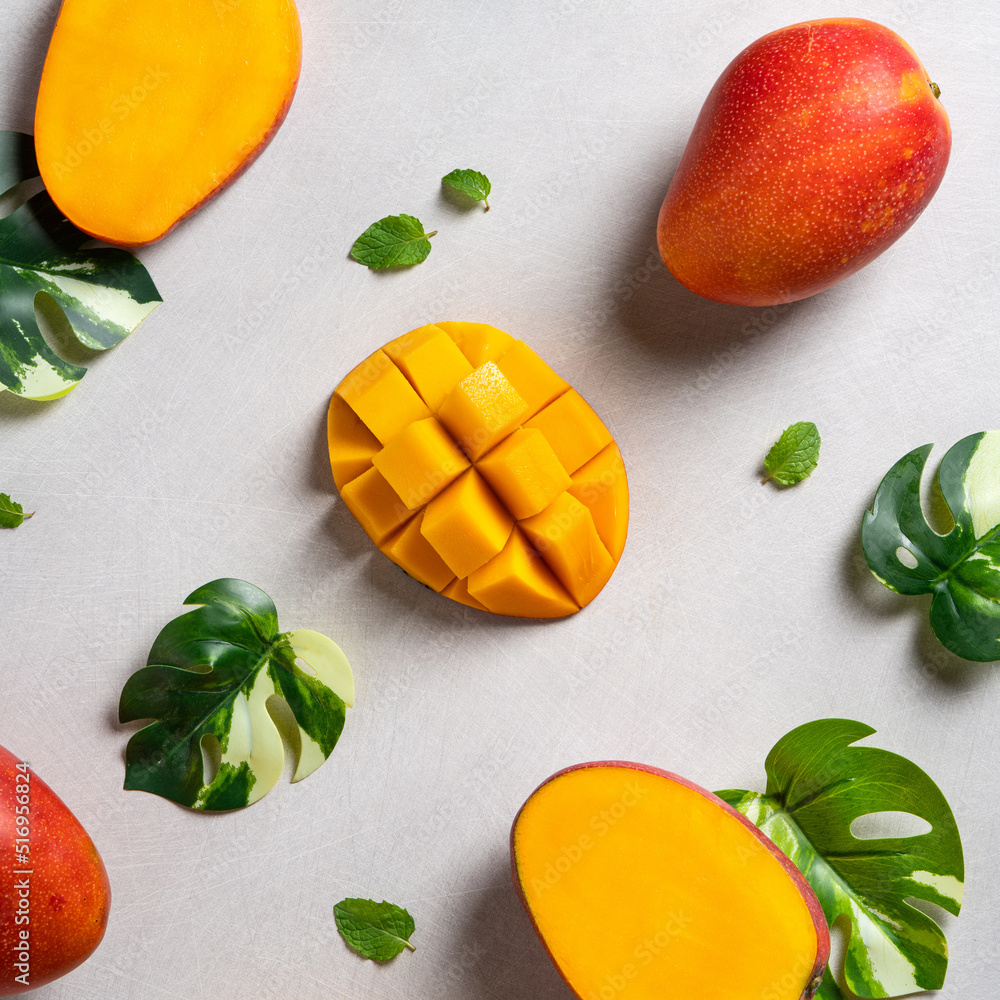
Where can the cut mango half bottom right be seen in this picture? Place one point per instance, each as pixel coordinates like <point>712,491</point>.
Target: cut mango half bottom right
<point>643,885</point>
<point>477,469</point>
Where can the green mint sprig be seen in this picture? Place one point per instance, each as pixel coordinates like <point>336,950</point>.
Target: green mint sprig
<point>794,455</point>
<point>11,513</point>
<point>379,931</point>
<point>395,241</point>
<point>471,183</point>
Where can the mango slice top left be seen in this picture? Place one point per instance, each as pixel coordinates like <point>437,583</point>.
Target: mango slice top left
<point>146,110</point>
<point>476,468</point>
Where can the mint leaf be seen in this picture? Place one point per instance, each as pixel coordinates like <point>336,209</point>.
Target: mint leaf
<point>378,931</point>
<point>11,514</point>
<point>794,455</point>
<point>395,241</point>
<point>818,784</point>
<point>210,675</point>
<point>961,568</point>
<point>471,183</point>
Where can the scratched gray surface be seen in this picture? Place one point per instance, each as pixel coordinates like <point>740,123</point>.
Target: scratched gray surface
<point>196,450</point>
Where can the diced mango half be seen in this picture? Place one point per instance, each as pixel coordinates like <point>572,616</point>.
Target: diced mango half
<point>420,461</point>
<point>478,470</point>
<point>602,488</point>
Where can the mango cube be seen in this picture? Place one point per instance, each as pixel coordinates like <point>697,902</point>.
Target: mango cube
<point>431,361</point>
<point>517,582</point>
<point>352,445</point>
<point>379,394</point>
<point>565,536</point>
<point>466,524</point>
<point>479,342</point>
<point>574,430</point>
<point>458,590</point>
<point>409,549</point>
<point>482,410</point>
<point>524,472</point>
<point>479,471</point>
<point>375,504</point>
<point>420,462</point>
<point>602,488</point>
<point>534,380</point>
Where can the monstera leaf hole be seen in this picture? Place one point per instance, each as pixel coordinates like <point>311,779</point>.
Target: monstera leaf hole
<point>907,558</point>
<point>840,934</point>
<point>306,667</point>
<point>58,332</point>
<point>882,825</point>
<point>288,729</point>
<point>18,195</point>
<point>211,757</point>
<point>934,505</point>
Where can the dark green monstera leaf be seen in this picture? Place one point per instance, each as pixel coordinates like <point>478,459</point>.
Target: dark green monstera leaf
<point>211,674</point>
<point>962,568</point>
<point>818,784</point>
<point>104,293</point>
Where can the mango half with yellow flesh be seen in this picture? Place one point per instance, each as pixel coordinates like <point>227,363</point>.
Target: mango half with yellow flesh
<point>148,108</point>
<point>476,468</point>
<point>641,884</point>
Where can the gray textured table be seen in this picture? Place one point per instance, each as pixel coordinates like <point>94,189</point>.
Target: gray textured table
<point>196,449</point>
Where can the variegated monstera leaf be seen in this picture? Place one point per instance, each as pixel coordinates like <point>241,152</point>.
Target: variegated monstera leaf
<point>213,674</point>
<point>817,786</point>
<point>104,293</point>
<point>961,568</point>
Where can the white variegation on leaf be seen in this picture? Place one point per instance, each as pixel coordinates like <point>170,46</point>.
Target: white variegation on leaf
<point>214,674</point>
<point>104,293</point>
<point>329,665</point>
<point>960,563</point>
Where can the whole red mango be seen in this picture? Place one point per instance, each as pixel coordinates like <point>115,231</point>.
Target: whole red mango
<point>54,892</point>
<point>816,149</point>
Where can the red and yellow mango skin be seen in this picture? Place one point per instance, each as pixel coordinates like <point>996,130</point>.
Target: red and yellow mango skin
<point>816,149</point>
<point>54,893</point>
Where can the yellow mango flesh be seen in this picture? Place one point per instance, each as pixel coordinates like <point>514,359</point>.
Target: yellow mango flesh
<point>600,485</point>
<point>409,549</point>
<point>644,885</point>
<point>146,109</point>
<point>519,532</point>
<point>420,462</point>
<point>524,473</point>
